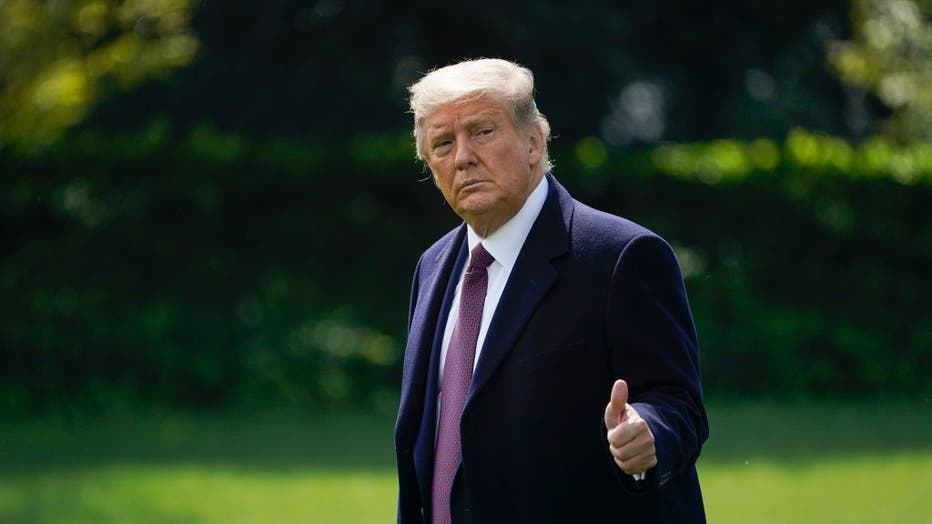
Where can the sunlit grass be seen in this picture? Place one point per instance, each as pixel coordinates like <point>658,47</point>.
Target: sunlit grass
<point>880,489</point>
<point>868,490</point>
<point>194,494</point>
<point>766,463</point>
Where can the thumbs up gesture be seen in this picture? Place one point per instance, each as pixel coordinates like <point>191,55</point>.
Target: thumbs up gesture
<point>629,439</point>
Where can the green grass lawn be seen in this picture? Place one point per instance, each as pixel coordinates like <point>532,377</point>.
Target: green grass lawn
<point>766,462</point>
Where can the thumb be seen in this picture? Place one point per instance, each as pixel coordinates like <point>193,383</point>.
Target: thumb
<point>616,404</point>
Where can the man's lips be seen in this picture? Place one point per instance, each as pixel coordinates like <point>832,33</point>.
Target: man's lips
<point>470,183</point>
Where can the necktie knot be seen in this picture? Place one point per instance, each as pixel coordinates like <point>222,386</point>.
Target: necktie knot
<point>480,259</point>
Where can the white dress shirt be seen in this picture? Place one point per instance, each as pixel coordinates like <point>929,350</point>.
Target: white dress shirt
<point>504,245</point>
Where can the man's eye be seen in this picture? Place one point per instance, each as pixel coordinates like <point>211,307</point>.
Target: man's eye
<point>486,131</point>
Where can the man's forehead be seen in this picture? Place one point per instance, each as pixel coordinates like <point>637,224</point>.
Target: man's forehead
<point>466,111</point>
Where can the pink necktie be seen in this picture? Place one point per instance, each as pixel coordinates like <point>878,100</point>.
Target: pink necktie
<point>457,375</point>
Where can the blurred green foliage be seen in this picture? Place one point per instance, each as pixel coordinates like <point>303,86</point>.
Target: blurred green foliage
<point>57,58</point>
<point>208,268</point>
<point>240,229</point>
<point>891,55</point>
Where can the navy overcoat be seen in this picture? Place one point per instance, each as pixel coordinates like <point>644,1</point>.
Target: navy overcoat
<point>592,298</point>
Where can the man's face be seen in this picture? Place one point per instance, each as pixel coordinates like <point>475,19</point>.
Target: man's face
<point>484,166</point>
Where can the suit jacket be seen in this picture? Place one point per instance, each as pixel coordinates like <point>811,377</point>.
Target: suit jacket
<point>592,298</point>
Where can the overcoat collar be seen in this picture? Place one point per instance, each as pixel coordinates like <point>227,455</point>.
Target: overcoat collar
<point>531,278</point>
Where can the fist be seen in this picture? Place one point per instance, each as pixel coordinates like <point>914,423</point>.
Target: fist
<point>630,441</point>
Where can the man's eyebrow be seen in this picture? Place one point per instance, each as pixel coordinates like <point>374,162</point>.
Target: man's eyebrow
<point>443,128</point>
<point>485,115</point>
<point>438,131</point>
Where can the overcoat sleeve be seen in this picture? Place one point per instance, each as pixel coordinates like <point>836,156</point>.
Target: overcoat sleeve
<point>653,347</point>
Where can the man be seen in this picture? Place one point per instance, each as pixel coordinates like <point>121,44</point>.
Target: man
<point>551,372</point>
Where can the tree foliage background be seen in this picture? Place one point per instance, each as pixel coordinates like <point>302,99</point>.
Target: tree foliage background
<point>215,204</point>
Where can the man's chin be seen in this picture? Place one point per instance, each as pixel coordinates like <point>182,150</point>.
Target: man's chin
<point>474,205</point>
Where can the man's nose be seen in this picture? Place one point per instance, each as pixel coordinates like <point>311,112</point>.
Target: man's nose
<point>465,156</point>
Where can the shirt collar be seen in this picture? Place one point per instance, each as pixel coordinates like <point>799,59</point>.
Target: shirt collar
<point>506,242</point>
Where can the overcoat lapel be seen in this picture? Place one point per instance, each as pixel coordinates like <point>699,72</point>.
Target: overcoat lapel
<point>424,317</point>
<point>531,278</point>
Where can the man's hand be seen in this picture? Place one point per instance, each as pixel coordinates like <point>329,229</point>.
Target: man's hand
<point>629,439</point>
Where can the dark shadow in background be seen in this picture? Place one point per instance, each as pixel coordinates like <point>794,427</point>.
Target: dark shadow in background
<point>784,433</point>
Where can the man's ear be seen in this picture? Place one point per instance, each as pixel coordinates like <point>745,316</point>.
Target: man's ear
<point>535,146</point>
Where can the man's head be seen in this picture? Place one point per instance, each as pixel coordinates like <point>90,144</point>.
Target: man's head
<point>500,79</point>
<point>479,131</point>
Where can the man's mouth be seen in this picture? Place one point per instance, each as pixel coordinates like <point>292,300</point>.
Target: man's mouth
<point>470,184</point>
